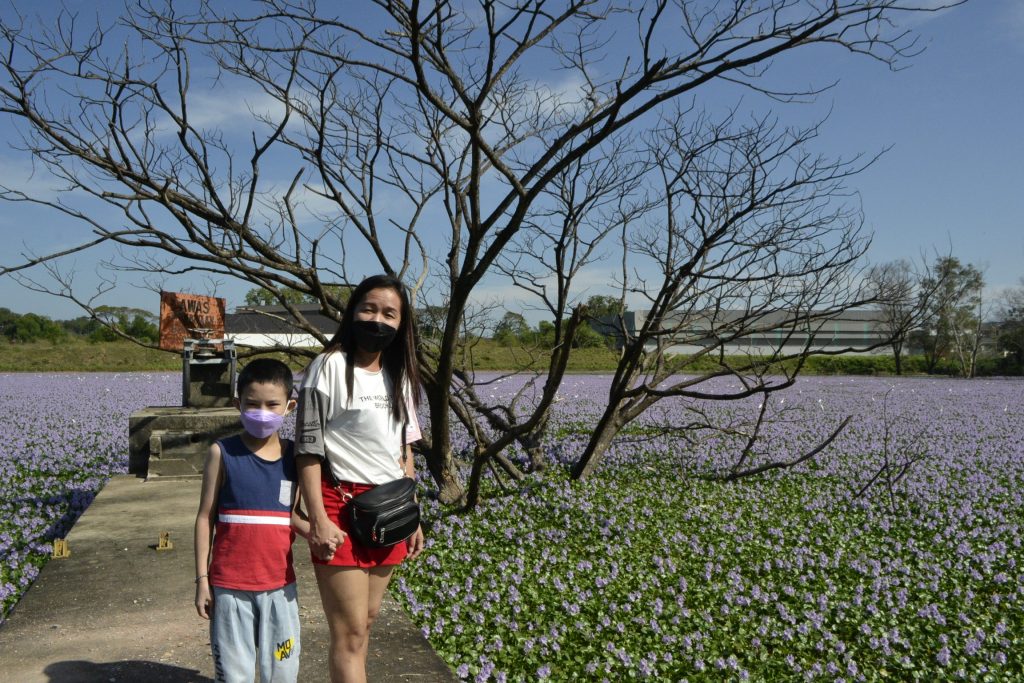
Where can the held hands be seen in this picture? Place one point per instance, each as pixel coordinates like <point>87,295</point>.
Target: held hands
<point>325,538</point>
<point>332,546</point>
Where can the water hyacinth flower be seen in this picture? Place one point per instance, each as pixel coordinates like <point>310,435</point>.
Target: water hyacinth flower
<point>56,455</point>
<point>569,580</point>
<point>796,535</point>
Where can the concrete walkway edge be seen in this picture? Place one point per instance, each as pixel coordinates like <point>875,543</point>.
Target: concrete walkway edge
<point>119,610</point>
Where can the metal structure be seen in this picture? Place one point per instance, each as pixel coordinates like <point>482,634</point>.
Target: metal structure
<point>173,441</point>
<point>208,369</point>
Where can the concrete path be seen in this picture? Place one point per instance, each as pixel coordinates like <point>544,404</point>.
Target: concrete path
<point>119,610</point>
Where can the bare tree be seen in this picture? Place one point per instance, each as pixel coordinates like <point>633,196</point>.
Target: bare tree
<point>752,252</point>
<point>894,284</point>
<point>426,139</point>
<point>906,296</point>
<point>1010,316</point>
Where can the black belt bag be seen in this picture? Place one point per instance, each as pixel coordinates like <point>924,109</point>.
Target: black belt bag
<point>386,514</point>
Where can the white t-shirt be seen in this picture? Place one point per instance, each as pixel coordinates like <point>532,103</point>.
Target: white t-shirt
<point>359,439</point>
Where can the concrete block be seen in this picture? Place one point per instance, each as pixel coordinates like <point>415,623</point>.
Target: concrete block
<point>172,441</point>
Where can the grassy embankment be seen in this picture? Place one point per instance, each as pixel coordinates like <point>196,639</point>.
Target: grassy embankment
<point>76,355</point>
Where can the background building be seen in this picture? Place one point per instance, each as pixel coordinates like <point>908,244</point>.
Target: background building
<point>262,326</point>
<point>743,332</point>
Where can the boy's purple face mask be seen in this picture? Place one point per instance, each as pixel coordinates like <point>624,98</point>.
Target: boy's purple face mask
<point>261,423</point>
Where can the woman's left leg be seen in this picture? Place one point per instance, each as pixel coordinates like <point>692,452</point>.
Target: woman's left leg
<point>351,599</point>
<point>378,585</point>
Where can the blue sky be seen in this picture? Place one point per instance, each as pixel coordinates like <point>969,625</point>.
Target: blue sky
<point>952,180</point>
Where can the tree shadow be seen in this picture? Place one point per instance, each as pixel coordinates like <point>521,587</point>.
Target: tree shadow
<point>78,671</point>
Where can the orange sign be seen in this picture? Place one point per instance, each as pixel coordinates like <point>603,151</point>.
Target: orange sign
<point>189,316</point>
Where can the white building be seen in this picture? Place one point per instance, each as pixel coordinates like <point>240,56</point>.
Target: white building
<point>740,332</point>
<point>263,326</point>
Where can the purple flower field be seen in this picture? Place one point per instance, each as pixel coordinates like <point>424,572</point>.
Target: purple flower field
<point>646,572</point>
<point>65,434</point>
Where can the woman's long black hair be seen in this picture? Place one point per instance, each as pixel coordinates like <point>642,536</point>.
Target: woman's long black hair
<point>398,359</point>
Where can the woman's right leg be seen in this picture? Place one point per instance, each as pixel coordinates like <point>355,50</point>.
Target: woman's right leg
<point>345,594</point>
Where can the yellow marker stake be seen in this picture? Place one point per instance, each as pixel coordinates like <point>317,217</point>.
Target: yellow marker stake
<point>60,548</point>
<point>165,541</point>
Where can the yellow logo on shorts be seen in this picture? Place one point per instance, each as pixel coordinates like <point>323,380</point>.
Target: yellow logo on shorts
<point>284,650</point>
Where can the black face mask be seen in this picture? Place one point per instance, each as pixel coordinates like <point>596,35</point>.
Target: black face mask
<point>373,336</point>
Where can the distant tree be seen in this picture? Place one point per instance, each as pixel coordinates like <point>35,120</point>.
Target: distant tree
<point>82,326</point>
<point>601,306</point>
<point>894,284</point>
<point>259,296</point>
<point>31,327</point>
<point>7,321</point>
<point>589,338</point>
<point>430,321</point>
<point>264,296</point>
<point>116,322</point>
<point>546,334</point>
<point>1010,339</point>
<point>604,315</point>
<point>904,295</point>
<point>951,323</point>
<point>512,329</point>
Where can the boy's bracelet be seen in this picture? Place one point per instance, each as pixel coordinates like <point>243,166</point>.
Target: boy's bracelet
<point>200,578</point>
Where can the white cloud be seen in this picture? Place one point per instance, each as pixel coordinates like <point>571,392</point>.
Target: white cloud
<point>35,180</point>
<point>933,10</point>
<point>235,111</point>
<point>216,109</point>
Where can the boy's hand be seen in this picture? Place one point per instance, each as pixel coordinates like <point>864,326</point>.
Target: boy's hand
<point>204,599</point>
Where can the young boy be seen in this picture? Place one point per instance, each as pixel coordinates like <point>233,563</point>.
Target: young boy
<point>249,510</point>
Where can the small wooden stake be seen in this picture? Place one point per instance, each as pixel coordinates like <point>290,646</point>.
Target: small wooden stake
<point>165,541</point>
<point>60,548</point>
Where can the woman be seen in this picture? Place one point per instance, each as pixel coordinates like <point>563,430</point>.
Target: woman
<point>356,419</point>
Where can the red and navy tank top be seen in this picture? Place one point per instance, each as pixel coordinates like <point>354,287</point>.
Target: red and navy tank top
<point>252,545</point>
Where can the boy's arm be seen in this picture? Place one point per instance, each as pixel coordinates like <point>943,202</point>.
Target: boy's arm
<point>213,478</point>
<point>324,535</point>
<point>300,521</point>
<point>310,457</point>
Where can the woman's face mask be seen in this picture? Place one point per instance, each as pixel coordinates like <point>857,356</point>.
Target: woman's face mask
<point>372,335</point>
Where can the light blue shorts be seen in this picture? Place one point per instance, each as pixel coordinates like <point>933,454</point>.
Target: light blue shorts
<point>247,623</point>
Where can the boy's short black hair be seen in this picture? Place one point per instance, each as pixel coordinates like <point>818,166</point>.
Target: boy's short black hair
<point>265,371</point>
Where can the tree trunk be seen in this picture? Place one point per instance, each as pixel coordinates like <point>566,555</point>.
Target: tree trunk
<point>600,439</point>
<point>532,443</point>
<point>440,461</point>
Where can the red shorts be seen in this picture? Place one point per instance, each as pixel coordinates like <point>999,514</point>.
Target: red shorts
<point>351,553</point>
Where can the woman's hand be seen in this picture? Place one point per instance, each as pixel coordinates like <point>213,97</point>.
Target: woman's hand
<point>324,537</point>
<point>415,544</point>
